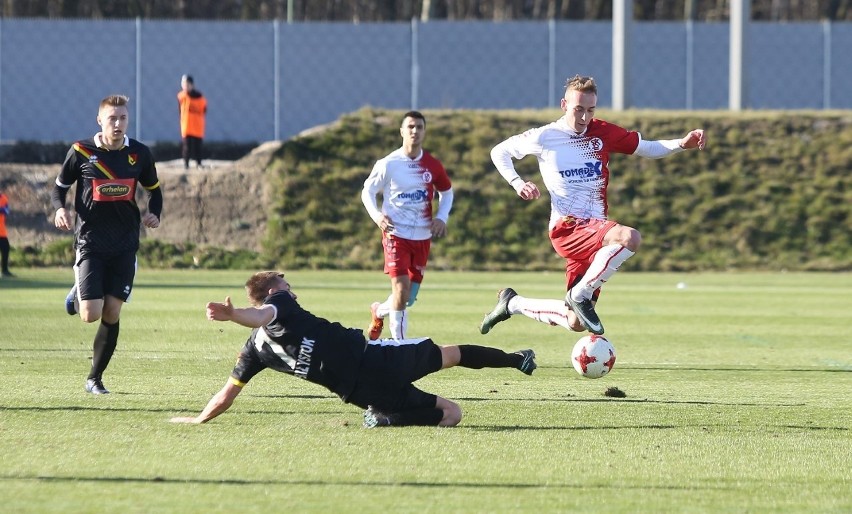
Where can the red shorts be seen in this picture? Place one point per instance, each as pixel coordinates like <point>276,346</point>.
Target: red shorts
<point>577,241</point>
<point>405,256</point>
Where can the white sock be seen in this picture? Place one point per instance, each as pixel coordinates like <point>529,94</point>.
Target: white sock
<point>398,324</point>
<point>551,312</point>
<point>384,308</point>
<point>606,262</point>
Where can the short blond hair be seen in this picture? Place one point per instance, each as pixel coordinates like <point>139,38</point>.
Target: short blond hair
<point>114,101</point>
<point>581,84</point>
<point>259,284</point>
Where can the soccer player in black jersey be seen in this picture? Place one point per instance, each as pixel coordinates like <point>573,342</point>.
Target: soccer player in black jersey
<point>376,375</point>
<point>107,169</point>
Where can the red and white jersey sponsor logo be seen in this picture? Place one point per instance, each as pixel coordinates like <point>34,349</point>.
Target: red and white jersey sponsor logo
<point>113,189</point>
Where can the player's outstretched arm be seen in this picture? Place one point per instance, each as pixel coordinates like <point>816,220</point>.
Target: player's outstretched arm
<point>251,317</point>
<point>220,402</point>
<point>664,147</point>
<point>694,139</point>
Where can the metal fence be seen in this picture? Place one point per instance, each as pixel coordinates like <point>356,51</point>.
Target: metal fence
<point>271,80</point>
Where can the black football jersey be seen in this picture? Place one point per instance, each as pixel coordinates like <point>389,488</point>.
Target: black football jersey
<point>299,343</point>
<point>108,218</point>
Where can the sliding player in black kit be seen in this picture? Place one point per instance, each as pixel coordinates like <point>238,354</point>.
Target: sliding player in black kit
<point>376,375</point>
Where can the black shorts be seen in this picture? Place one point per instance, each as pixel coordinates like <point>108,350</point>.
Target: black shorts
<point>100,275</point>
<point>388,370</point>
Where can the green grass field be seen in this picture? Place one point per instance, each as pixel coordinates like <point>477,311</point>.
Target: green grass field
<point>739,399</point>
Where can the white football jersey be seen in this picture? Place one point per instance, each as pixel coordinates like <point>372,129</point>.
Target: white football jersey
<point>408,187</point>
<point>573,166</point>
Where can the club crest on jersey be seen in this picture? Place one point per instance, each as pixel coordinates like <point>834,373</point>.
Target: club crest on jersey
<point>595,144</point>
<point>131,159</point>
<point>427,177</point>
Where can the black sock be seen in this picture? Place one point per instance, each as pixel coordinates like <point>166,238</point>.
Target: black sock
<point>478,357</point>
<point>418,417</point>
<point>4,253</point>
<point>106,339</point>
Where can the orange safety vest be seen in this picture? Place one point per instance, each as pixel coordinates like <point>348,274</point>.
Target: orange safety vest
<point>3,203</point>
<point>192,111</point>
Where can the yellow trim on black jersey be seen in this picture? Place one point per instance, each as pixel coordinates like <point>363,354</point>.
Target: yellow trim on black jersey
<point>236,382</point>
<point>97,164</point>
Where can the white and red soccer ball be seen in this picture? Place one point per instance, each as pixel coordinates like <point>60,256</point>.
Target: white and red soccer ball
<point>593,356</point>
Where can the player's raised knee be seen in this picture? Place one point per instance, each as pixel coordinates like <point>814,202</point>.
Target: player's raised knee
<point>627,237</point>
<point>634,241</point>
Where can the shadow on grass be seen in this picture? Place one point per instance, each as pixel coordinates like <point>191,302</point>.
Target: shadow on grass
<point>802,427</point>
<point>27,283</point>
<point>22,283</point>
<point>44,350</point>
<point>314,397</point>
<point>845,369</point>
<point>346,411</point>
<point>632,400</point>
<point>353,483</point>
<point>494,428</point>
<point>175,411</point>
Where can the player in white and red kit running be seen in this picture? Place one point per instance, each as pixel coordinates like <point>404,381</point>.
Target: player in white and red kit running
<point>573,154</point>
<point>407,179</point>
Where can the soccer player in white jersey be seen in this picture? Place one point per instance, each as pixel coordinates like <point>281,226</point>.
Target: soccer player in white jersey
<point>573,153</point>
<point>407,179</point>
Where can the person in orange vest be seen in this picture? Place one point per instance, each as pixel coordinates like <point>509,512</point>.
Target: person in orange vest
<point>4,236</point>
<point>192,107</point>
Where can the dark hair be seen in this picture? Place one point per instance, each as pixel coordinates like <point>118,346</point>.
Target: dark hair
<point>188,79</point>
<point>416,115</point>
